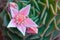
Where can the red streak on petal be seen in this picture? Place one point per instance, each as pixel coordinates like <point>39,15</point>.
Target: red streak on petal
<point>31,31</point>
<point>19,19</point>
<point>13,5</point>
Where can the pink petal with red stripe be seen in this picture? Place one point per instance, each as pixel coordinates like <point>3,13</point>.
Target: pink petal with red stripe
<point>30,23</point>
<point>12,23</point>
<point>21,28</point>
<point>25,11</point>
<point>13,9</point>
<point>32,30</point>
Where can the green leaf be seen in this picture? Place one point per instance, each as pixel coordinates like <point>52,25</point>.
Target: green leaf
<point>33,37</point>
<point>50,29</point>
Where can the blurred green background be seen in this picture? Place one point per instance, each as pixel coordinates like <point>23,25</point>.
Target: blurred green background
<point>46,13</point>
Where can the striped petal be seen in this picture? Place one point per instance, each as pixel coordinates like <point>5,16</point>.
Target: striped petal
<point>32,30</point>
<point>11,24</point>
<point>13,5</point>
<point>22,29</point>
<point>25,11</point>
<point>13,9</point>
<point>29,23</point>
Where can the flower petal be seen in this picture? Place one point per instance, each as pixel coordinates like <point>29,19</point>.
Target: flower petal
<point>29,23</point>
<point>12,23</point>
<point>32,30</point>
<point>13,5</point>
<point>13,9</point>
<point>22,28</point>
<point>25,11</point>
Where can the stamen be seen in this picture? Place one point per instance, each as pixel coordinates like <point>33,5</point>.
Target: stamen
<point>19,19</point>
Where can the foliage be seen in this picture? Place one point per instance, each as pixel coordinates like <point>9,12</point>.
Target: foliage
<point>46,13</point>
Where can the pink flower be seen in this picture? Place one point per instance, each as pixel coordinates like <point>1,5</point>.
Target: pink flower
<point>21,21</point>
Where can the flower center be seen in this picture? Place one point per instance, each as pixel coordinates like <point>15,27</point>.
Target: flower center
<point>19,19</point>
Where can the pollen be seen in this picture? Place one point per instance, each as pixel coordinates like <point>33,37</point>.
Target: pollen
<point>19,19</point>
